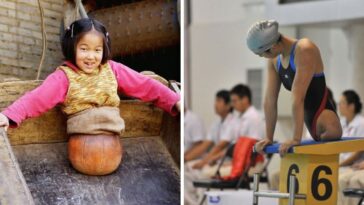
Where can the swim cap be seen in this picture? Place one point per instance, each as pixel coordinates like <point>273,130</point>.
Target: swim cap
<point>262,35</point>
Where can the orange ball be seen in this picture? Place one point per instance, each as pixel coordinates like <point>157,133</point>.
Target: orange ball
<point>95,154</point>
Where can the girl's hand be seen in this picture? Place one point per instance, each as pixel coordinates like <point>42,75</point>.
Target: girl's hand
<point>284,147</point>
<point>259,146</point>
<point>4,121</point>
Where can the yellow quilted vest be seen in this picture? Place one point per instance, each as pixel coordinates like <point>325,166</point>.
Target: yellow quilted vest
<point>85,91</point>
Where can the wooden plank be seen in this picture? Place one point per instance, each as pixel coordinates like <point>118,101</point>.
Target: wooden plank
<point>10,91</point>
<point>171,136</point>
<point>49,127</point>
<point>147,175</point>
<point>13,188</point>
<point>141,119</point>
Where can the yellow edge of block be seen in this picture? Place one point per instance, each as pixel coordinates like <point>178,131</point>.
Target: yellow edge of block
<point>328,148</point>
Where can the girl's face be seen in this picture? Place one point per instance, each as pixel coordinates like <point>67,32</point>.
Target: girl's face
<point>89,51</point>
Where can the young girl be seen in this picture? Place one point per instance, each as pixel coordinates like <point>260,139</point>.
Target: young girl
<point>86,85</point>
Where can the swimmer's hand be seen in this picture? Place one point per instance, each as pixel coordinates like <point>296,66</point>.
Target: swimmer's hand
<point>4,121</point>
<point>259,146</point>
<point>284,147</point>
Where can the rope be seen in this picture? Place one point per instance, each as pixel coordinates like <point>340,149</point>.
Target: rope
<point>44,39</point>
<point>44,36</point>
<point>82,10</point>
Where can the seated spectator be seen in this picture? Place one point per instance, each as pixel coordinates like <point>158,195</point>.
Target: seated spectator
<point>248,123</point>
<point>351,172</point>
<point>218,128</point>
<point>195,143</point>
<point>218,131</point>
<point>195,146</point>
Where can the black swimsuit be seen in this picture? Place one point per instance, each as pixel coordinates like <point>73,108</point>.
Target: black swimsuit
<point>316,99</point>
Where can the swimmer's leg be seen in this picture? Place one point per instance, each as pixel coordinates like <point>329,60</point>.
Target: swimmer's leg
<point>328,126</point>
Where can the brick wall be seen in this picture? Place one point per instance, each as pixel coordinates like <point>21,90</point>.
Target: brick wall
<point>21,37</point>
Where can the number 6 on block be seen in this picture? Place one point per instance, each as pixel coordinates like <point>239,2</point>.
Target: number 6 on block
<point>315,175</point>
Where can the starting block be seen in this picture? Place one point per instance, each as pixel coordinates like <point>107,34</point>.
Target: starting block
<point>309,172</point>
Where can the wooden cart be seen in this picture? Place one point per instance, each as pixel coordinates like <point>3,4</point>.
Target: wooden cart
<point>34,168</point>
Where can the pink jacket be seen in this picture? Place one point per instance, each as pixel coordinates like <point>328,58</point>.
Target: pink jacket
<point>54,89</point>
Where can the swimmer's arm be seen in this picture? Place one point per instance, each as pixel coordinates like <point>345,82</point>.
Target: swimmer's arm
<point>305,55</point>
<point>270,100</point>
<point>52,91</point>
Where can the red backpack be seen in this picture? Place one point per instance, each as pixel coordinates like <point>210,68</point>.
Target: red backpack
<point>242,156</point>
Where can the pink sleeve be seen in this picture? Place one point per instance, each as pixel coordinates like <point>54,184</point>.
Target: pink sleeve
<point>52,91</point>
<point>145,88</point>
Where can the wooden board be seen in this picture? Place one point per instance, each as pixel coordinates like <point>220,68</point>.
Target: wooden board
<point>10,91</point>
<point>170,135</point>
<point>13,189</point>
<point>147,175</point>
<point>141,119</point>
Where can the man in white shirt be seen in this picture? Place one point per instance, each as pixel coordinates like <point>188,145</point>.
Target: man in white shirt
<point>353,128</point>
<point>195,143</point>
<point>218,134</point>
<point>196,146</point>
<point>249,126</point>
<point>248,123</point>
<point>351,172</point>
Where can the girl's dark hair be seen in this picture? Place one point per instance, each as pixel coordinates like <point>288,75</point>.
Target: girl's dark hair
<point>353,98</point>
<point>76,31</point>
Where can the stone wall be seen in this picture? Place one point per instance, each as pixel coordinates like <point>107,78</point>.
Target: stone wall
<point>21,37</point>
